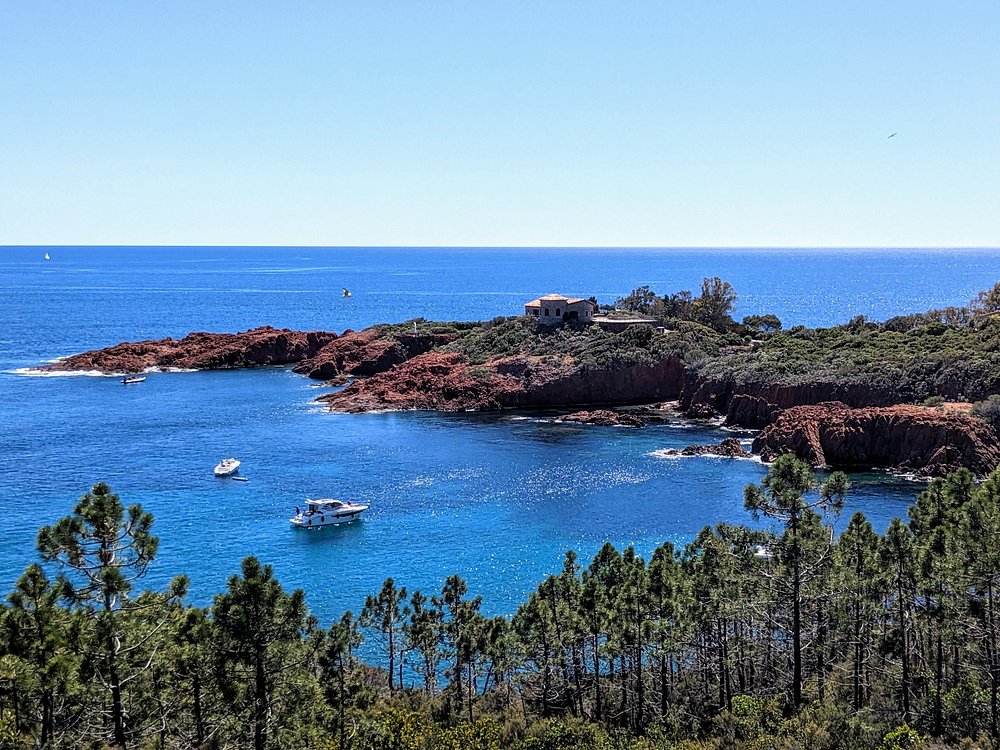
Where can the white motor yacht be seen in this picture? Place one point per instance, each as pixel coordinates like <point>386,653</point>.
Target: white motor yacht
<point>327,512</point>
<point>227,467</point>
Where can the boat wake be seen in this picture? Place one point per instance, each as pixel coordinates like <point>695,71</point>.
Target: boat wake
<point>32,372</point>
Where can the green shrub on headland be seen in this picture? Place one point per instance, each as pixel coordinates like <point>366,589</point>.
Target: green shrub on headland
<point>951,354</point>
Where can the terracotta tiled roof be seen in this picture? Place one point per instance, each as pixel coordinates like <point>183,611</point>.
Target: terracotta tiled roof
<point>554,298</point>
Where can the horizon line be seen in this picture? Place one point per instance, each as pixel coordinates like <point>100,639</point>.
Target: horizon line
<point>515,247</point>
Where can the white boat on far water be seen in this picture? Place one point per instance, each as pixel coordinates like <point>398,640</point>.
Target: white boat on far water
<point>327,512</point>
<point>227,467</point>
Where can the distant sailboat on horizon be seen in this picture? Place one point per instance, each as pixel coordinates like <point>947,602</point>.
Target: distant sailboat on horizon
<point>47,257</point>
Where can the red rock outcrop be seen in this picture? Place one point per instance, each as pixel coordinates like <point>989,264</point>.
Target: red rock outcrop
<point>435,381</point>
<point>203,351</point>
<point>605,418</point>
<point>756,405</point>
<point>366,353</point>
<point>447,382</point>
<point>728,448</point>
<point>912,438</point>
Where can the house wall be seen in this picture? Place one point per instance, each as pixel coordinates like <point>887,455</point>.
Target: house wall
<point>552,312</point>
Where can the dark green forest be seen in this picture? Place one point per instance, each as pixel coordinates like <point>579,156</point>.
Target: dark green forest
<point>804,637</point>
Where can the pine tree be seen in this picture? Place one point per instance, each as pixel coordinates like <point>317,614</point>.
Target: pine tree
<point>385,613</point>
<point>336,662</point>
<point>103,551</point>
<point>600,581</point>
<point>258,631</point>
<point>860,582</point>
<point>40,632</point>
<point>898,559</point>
<point>423,634</point>
<point>934,520</point>
<point>463,626</point>
<point>980,530</point>
<point>782,495</point>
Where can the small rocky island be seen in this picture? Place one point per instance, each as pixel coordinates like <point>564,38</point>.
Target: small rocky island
<point>855,396</point>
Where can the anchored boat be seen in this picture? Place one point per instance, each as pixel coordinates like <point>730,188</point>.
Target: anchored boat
<point>327,512</point>
<point>227,467</point>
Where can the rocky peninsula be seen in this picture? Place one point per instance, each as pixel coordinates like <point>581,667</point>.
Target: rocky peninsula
<point>844,397</point>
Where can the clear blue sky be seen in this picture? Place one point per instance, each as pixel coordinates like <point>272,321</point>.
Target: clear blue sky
<point>483,123</point>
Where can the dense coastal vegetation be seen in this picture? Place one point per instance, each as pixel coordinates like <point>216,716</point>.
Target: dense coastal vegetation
<point>950,354</point>
<point>743,638</point>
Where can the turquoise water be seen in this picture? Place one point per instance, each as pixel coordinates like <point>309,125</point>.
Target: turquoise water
<point>495,498</point>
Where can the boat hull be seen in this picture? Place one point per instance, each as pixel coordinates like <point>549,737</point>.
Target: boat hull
<point>226,471</point>
<point>325,519</point>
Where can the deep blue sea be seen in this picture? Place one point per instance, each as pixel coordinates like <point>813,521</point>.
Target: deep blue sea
<point>495,498</point>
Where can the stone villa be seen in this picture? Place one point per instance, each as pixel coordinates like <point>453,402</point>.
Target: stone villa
<point>555,308</point>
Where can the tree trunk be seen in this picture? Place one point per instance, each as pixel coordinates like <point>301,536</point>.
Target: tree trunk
<point>720,649</point>
<point>471,687</point>
<point>117,709</point>
<point>906,651</point>
<point>597,678</point>
<point>577,669</point>
<point>260,703</point>
<point>796,617</point>
<point>340,704</point>
<point>991,655</point>
<point>820,647</point>
<point>938,680</point>
<point>392,653</point>
<point>857,654</point>
<point>545,679</point>
<point>663,684</point>
<point>199,721</point>
<point>47,721</point>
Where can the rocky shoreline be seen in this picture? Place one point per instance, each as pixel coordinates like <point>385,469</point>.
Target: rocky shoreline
<point>827,424</point>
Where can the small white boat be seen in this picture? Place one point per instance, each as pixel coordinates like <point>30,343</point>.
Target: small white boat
<point>327,512</point>
<point>227,467</point>
<point>129,379</point>
<point>47,257</point>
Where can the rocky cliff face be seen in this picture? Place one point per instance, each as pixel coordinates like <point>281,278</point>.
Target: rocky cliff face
<point>913,438</point>
<point>203,351</point>
<point>365,353</point>
<point>755,405</point>
<point>447,382</point>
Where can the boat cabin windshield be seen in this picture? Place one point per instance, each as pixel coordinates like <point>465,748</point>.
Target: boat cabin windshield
<point>318,504</point>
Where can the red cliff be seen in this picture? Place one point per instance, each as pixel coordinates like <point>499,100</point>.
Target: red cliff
<point>366,352</point>
<point>912,438</point>
<point>447,382</point>
<point>755,405</point>
<point>203,351</point>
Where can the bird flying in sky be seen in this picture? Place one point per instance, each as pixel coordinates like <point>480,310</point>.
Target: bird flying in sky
<point>891,136</point>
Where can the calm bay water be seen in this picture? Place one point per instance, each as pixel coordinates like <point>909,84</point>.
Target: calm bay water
<point>495,498</point>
